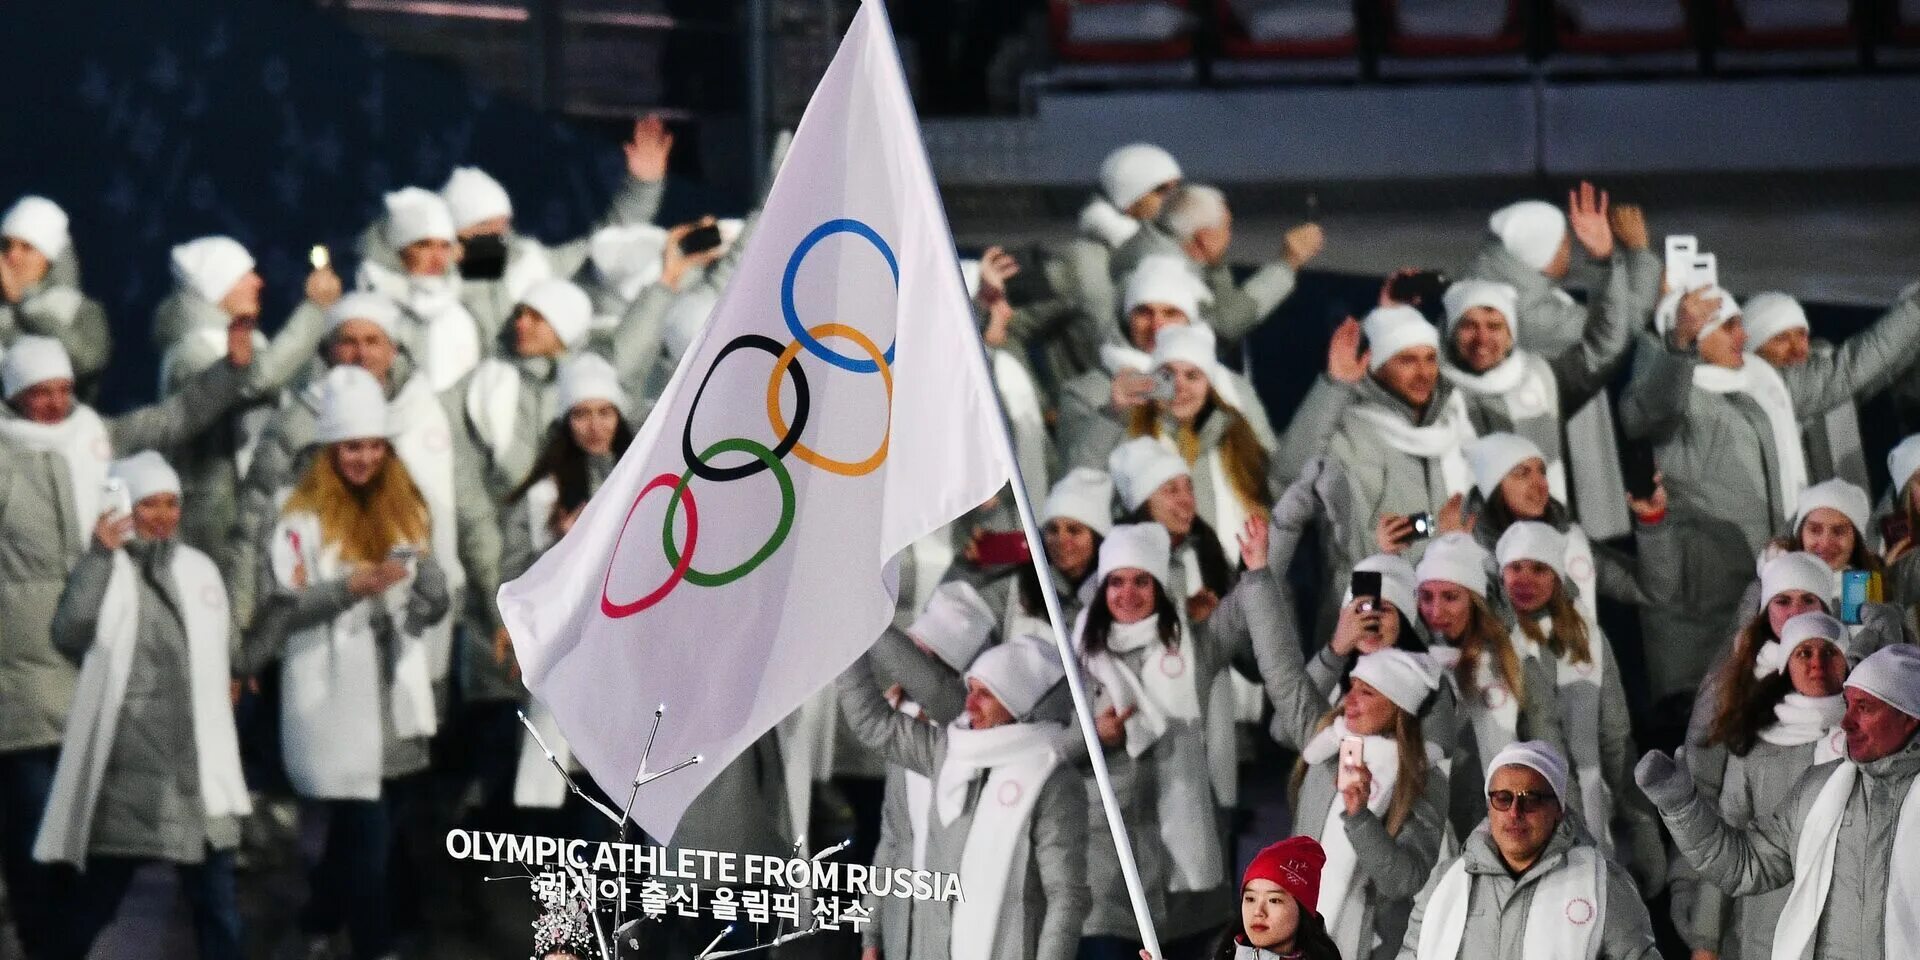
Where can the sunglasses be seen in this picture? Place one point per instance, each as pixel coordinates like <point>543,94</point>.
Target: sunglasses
<point>1505,800</point>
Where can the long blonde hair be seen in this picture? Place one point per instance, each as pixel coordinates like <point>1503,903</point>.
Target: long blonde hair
<point>366,523</point>
<point>1412,781</point>
<point>1569,639</point>
<point>1485,633</point>
<point>1240,450</point>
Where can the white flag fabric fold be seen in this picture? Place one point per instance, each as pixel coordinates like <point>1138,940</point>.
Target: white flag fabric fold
<point>834,409</point>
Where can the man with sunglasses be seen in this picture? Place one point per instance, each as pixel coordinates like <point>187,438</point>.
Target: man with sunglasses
<point>1846,839</point>
<point>1529,883</point>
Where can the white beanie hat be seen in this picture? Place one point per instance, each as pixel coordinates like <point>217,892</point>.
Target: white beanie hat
<point>352,407</point>
<point>565,307</point>
<point>1531,230</point>
<point>1084,494</point>
<point>956,624</point>
<point>1903,461</point>
<point>472,196</point>
<point>1163,278</point>
<point>1193,343</point>
<point>375,308</point>
<point>1140,466</point>
<point>1465,295</point>
<point>146,474</point>
<point>414,215</point>
<point>628,255</point>
<point>1494,456</point>
<point>1532,540</point>
<point>1398,584</point>
<point>1020,673</point>
<point>1813,625</point>
<point>1667,314</point>
<point>38,222</point>
<point>1133,171</point>
<point>1768,315</point>
<point>1891,675</point>
<point>1798,570</point>
<point>1405,678</point>
<point>588,376</point>
<point>1455,558</point>
<point>1539,756</point>
<point>210,266</point>
<point>31,360</point>
<point>1393,329</point>
<point>1138,546</point>
<point>1835,494</point>
<point>684,320</point>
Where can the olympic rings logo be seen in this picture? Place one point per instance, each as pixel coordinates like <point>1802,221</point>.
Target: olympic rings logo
<point>763,458</point>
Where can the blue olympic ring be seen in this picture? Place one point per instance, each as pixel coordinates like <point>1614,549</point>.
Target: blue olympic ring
<point>798,329</point>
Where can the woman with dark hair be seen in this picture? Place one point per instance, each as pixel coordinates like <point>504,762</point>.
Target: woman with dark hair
<point>1512,482</point>
<point>1156,486</point>
<point>1073,523</point>
<point>1279,897</point>
<point>1153,681</point>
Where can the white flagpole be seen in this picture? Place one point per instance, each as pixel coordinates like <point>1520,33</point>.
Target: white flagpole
<point>1122,844</point>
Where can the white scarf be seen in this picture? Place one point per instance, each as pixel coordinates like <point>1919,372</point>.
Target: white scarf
<point>444,333</point>
<point>1491,707</point>
<point>1441,441</point>
<point>1813,871</point>
<point>1107,224</point>
<point>1584,572</point>
<point>1581,725</point>
<point>94,720</point>
<point>1163,691</point>
<point>1564,921</point>
<point>82,442</point>
<point>423,439</point>
<point>919,798</point>
<point>1020,397</point>
<point>1758,380</point>
<point>493,405</point>
<point>1525,385</point>
<point>1017,759</point>
<point>1342,901</point>
<point>330,677</point>
<point>1800,720</point>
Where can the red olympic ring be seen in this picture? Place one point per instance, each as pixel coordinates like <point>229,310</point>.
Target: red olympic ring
<point>618,611</point>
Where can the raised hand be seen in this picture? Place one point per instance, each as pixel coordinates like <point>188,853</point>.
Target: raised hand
<point>1697,309</point>
<point>1302,243</point>
<point>113,530</point>
<point>240,343</point>
<point>1630,226</point>
<point>648,149</point>
<point>324,288</point>
<point>1253,544</point>
<point>1587,218</point>
<point>1392,533</point>
<point>1345,363</point>
<point>1453,518</point>
<point>997,266</point>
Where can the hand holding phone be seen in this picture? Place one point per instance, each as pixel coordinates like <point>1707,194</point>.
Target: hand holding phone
<point>1353,760</point>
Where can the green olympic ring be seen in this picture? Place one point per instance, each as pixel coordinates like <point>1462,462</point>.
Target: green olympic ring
<point>780,530</point>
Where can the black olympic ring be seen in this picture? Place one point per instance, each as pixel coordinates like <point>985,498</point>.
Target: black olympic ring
<point>801,403</point>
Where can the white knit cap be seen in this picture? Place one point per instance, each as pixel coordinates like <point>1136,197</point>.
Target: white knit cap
<point>588,376</point>
<point>1531,230</point>
<point>352,406</point>
<point>1798,570</point>
<point>1140,466</point>
<point>1532,540</point>
<point>685,319</point>
<point>1084,494</point>
<point>210,266</point>
<point>1020,673</point>
<point>1193,343</point>
<point>631,253</point>
<point>1667,314</point>
<point>1456,558</point>
<point>1396,328</point>
<point>33,359</point>
<point>1891,675</point>
<point>1397,583</point>
<point>1768,315</point>
<point>1835,494</point>
<point>414,215</point>
<point>38,222</point>
<point>1903,461</point>
<point>472,196</point>
<point>1494,456</point>
<point>1137,546</point>
<point>375,308</point>
<point>1539,756</point>
<point>1465,295</point>
<point>1133,171</point>
<point>565,307</point>
<point>956,624</point>
<point>1163,278</point>
<point>1812,625</point>
<point>146,474</point>
<point>1407,679</point>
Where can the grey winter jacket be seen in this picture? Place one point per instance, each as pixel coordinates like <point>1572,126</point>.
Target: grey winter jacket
<point>1498,907</point>
<point>1090,427</point>
<point>150,807</point>
<point>1046,897</point>
<point>40,541</point>
<point>1237,309</point>
<point>51,308</point>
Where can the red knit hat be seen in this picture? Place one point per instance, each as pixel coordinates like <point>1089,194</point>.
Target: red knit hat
<point>1294,864</point>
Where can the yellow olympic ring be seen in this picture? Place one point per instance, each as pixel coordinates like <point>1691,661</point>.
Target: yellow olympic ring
<point>779,421</point>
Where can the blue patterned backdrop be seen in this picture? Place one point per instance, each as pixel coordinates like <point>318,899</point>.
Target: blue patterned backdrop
<point>155,122</point>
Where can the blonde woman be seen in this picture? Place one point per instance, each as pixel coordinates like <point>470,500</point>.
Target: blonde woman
<point>1201,423</point>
